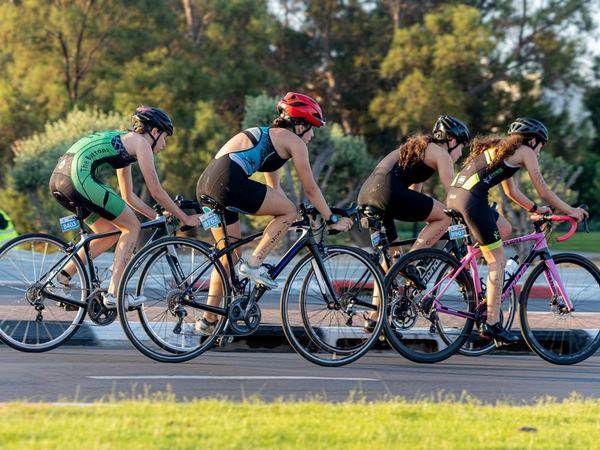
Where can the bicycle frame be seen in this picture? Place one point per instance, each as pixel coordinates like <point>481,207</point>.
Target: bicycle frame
<point>84,242</point>
<point>306,239</point>
<point>540,249</point>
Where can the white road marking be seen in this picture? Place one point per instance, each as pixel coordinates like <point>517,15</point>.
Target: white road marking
<point>217,377</point>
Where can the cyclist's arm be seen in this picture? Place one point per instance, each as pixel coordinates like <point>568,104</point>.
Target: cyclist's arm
<point>299,153</point>
<point>533,169</point>
<point>440,159</point>
<point>513,192</point>
<point>273,180</point>
<point>126,187</point>
<point>145,159</point>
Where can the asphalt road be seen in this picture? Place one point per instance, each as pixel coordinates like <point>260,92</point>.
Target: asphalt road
<point>85,374</point>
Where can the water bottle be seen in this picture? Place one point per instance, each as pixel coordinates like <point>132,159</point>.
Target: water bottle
<point>511,267</point>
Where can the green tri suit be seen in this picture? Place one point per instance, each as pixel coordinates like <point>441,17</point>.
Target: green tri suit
<point>75,182</point>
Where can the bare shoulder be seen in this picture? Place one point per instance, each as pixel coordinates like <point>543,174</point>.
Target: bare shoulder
<point>521,157</point>
<point>434,155</point>
<point>135,143</point>
<point>285,141</point>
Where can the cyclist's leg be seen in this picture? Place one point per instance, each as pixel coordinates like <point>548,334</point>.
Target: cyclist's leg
<point>278,205</point>
<point>437,224</point>
<point>97,246</point>
<point>496,261</point>
<point>215,289</point>
<point>129,225</point>
<point>504,227</point>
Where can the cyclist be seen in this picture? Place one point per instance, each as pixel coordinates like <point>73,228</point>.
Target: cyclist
<point>264,149</point>
<point>494,161</point>
<point>75,182</point>
<point>394,187</point>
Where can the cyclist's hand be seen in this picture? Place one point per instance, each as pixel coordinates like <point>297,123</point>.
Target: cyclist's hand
<point>543,210</point>
<point>344,224</point>
<point>578,213</point>
<point>192,220</point>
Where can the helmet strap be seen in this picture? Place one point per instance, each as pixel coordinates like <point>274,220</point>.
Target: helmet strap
<point>154,140</point>
<point>300,122</point>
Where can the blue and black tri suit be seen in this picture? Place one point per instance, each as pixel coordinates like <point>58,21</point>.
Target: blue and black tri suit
<point>227,178</point>
<point>468,195</point>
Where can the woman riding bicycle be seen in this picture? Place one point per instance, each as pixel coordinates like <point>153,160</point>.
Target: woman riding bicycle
<point>264,149</point>
<point>394,187</point>
<point>493,161</point>
<point>74,183</point>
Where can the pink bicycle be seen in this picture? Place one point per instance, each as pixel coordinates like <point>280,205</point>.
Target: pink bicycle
<point>431,316</point>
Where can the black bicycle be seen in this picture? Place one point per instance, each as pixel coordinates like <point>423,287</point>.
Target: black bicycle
<point>37,313</point>
<point>325,299</point>
<point>402,314</point>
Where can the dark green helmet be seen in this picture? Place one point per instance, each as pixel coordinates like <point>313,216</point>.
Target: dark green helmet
<point>529,127</point>
<point>150,117</point>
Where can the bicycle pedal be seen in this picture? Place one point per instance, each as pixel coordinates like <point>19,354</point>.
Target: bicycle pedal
<point>222,341</point>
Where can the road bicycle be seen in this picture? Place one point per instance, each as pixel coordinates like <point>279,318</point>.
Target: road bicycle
<point>386,253</point>
<point>558,303</point>
<point>37,313</point>
<point>325,299</point>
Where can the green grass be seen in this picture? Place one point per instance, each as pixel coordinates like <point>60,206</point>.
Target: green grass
<point>581,241</point>
<point>574,423</point>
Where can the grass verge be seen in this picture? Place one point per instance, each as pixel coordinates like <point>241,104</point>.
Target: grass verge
<point>205,424</point>
<point>580,242</point>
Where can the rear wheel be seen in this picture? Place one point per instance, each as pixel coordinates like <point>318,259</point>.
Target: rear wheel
<point>559,336</point>
<point>428,328</point>
<point>30,321</point>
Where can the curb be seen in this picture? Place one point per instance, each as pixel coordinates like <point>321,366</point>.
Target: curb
<point>268,338</point>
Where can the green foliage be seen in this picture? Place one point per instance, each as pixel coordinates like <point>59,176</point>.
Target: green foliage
<point>432,65</point>
<point>190,150</point>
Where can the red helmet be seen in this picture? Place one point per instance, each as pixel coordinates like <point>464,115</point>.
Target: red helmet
<point>300,106</point>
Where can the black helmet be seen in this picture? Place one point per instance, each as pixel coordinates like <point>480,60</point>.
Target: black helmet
<point>150,118</point>
<point>447,127</point>
<point>529,128</point>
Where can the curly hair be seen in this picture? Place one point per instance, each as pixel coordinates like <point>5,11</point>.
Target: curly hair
<point>413,150</point>
<point>504,147</point>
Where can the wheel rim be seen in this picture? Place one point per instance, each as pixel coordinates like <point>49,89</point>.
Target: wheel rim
<point>331,333</point>
<point>153,326</point>
<point>556,334</point>
<point>29,320</point>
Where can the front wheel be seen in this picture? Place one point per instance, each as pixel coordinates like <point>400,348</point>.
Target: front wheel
<point>550,330</point>
<point>172,275</point>
<point>331,331</point>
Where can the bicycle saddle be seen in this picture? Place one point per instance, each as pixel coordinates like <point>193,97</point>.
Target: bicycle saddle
<point>218,206</point>
<point>371,212</point>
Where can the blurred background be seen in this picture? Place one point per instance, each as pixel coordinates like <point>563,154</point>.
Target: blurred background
<point>381,70</point>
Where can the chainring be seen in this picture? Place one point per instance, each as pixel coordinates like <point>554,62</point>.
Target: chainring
<point>100,314</point>
<point>239,321</point>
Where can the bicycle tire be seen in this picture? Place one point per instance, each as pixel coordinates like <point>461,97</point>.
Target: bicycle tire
<point>407,347</point>
<point>540,339</point>
<point>75,323</point>
<point>305,342</point>
<point>129,328</point>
